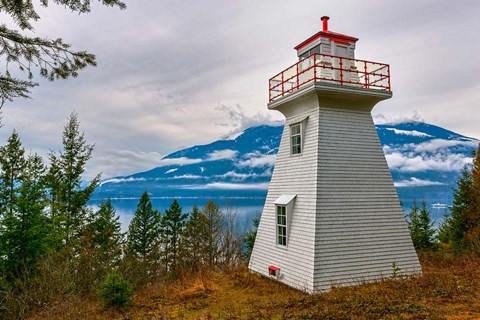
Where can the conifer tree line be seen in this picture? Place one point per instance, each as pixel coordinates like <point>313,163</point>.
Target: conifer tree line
<point>177,243</point>
<point>460,228</point>
<point>53,243</point>
<point>461,225</point>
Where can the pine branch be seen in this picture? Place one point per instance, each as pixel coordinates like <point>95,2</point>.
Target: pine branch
<point>11,88</point>
<point>53,58</point>
<point>23,11</point>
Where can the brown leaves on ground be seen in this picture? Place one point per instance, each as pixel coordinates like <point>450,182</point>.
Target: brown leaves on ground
<point>448,289</point>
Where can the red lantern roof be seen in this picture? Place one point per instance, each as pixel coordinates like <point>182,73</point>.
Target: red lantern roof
<point>325,33</point>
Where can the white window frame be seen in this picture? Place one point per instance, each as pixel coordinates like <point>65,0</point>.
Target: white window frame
<point>297,148</point>
<point>302,123</point>
<point>281,225</point>
<point>285,203</point>
<point>316,48</point>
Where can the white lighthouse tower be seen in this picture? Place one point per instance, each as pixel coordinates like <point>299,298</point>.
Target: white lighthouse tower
<point>332,215</point>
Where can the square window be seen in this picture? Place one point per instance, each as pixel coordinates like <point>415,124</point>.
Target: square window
<point>315,49</point>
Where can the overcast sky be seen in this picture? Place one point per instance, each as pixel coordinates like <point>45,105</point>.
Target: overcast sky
<point>173,74</point>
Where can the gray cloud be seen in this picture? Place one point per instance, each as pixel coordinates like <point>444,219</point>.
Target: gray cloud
<point>423,162</point>
<point>176,74</point>
<point>441,144</point>
<point>380,118</point>
<point>258,161</point>
<point>415,182</point>
<point>222,154</point>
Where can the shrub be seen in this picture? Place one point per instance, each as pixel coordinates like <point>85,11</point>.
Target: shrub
<point>115,291</point>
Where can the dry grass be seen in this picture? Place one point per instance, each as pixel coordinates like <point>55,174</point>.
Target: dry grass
<point>448,289</point>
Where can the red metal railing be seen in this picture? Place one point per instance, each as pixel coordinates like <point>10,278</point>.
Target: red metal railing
<point>332,69</point>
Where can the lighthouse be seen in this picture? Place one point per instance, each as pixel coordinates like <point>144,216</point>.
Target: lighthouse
<point>332,215</point>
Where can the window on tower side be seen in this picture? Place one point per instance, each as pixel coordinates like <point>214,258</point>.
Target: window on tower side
<point>296,138</point>
<point>282,225</point>
<point>307,53</point>
<point>283,217</point>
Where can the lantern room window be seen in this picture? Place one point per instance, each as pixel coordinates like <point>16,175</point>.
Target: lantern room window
<point>309,52</point>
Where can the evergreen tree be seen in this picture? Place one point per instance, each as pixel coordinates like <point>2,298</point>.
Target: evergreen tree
<point>54,58</point>
<point>471,214</point>
<point>173,227</point>
<point>427,232</point>
<point>462,198</point>
<point>421,226</point>
<point>68,199</point>
<point>453,228</point>
<point>143,235</point>
<point>25,235</point>
<point>103,235</point>
<point>249,239</point>
<point>12,169</point>
<point>461,228</point>
<point>444,229</point>
<point>101,246</point>
<point>195,239</point>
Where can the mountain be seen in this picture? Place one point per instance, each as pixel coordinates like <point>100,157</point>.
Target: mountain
<point>424,160</point>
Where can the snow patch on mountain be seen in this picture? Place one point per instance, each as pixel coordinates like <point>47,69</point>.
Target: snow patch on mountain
<point>177,161</point>
<point>120,180</point>
<point>171,170</point>
<point>414,133</point>
<point>188,176</point>
<point>233,136</point>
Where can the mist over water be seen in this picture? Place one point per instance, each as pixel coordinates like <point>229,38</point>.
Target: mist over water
<point>244,209</point>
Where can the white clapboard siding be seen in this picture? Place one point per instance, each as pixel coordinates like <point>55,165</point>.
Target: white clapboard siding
<point>296,261</point>
<point>347,225</point>
<point>360,244</point>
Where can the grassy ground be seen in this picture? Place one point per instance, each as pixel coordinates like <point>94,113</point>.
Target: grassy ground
<point>448,289</point>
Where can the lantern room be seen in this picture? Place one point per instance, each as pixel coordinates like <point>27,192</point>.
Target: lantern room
<point>327,42</point>
<point>329,57</point>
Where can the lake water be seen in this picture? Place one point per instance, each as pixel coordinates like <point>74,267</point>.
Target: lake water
<point>245,209</point>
